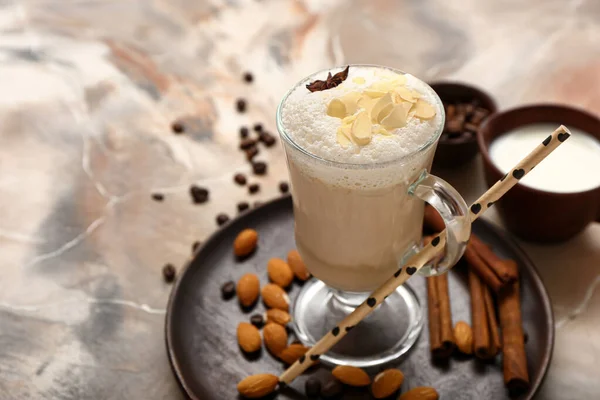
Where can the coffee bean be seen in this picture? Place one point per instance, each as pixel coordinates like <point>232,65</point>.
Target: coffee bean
<point>259,168</point>
<point>247,143</point>
<point>284,187</point>
<point>195,246</point>
<point>228,290</point>
<point>253,188</point>
<point>312,387</point>
<point>258,127</point>
<point>257,320</point>
<point>244,132</point>
<point>248,78</point>
<point>222,219</point>
<point>469,109</point>
<point>267,139</point>
<point>240,179</point>
<point>168,272</point>
<point>177,127</point>
<point>332,388</point>
<point>158,196</point>
<point>251,153</point>
<point>243,206</point>
<point>241,105</point>
<point>199,194</point>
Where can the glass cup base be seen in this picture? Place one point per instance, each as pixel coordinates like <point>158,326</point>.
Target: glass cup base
<point>382,337</point>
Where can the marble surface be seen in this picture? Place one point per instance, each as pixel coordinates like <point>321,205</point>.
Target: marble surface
<point>88,91</point>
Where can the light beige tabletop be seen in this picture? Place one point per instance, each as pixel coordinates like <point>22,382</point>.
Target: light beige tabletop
<point>89,89</point>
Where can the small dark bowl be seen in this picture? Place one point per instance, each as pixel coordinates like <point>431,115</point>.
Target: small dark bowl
<point>455,152</point>
<point>532,214</point>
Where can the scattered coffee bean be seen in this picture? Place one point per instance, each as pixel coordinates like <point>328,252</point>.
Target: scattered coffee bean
<point>248,77</point>
<point>222,219</point>
<point>168,272</point>
<point>243,206</point>
<point>267,139</point>
<point>240,179</point>
<point>199,194</point>
<point>332,388</point>
<point>177,127</point>
<point>258,127</point>
<point>195,246</point>
<point>259,167</point>
<point>284,187</point>
<point>228,290</point>
<point>251,153</point>
<point>244,132</point>
<point>253,188</point>
<point>257,204</point>
<point>469,108</point>
<point>312,387</point>
<point>257,320</point>
<point>158,196</point>
<point>240,105</point>
<point>247,143</point>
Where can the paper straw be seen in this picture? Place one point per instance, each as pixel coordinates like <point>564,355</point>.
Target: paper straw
<point>417,261</point>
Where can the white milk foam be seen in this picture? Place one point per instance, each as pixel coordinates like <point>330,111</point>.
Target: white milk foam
<point>304,118</point>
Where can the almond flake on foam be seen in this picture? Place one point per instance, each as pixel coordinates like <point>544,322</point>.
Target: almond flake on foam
<point>361,129</point>
<point>424,110</point>
<point>395,119</point>
<point>336,109</point>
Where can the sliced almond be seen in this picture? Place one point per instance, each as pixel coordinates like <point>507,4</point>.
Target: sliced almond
<point>349,119</point>
<point>275,337</point>
<point>280,272</point>
<point>345,129</point>
<point>381,86</point>
<point>292,353</point>
<point>406,94</point>
<point>399,80</point>
<point>416,94</point>
<point>396,118</point>
<point>361,129</point>
<point>275,297</point>
<point>424,110</point>
<point>350,100</point>
<point>352,376</point>
<point>374,93</point>
<point>342,139</point>
<point>248,337</point>
<point>256,386</point>
<point>380,130</point>
<point>367,103</point>
<point>384,113</point>
<point>336,109</point>
<point>359,80</point>
<point>381,104</point>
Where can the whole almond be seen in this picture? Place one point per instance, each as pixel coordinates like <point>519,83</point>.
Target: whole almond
<point>280,272</point>
<point>248,337</point>
<point>463,334</point>
<point>278,316</point>
<point>420,393</point>
<point>245,242</point>
<point>352,376</point>
<point>247,289</point>
<point>275,297</point>
<point>256,386</point>
<point>275,337</point>
<point>297,265</point>
<point>387,382</point>
<point>292,353</point>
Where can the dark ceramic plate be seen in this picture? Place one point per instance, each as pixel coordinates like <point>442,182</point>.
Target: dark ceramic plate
<point>200,326</point>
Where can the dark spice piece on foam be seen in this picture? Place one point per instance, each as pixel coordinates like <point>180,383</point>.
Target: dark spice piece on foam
<point>257,320</point>
<point>284,187</point>
<point>331,82</point>
<point>168,272</point>
<point>199,194</point>
<point>222,219</point>
<point>177,127</point>
<point>158,196</point>
<point>248,77</point>
<point>259,167</point>
<point>243,206</point>
<point>241,105</point>
<point>240,179</point>
<point>244,131</point>
<point>253,188</point>
<point>228,290</point>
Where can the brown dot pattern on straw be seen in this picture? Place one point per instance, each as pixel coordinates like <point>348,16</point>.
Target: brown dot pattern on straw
<point>418,260</point>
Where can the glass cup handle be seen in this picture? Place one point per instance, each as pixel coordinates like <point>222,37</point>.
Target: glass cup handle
<point>455,213</point>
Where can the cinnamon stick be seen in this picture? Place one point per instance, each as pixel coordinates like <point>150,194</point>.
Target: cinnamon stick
<point>492,320</point>
<point>506,275</point>
<point>516,377</point>
<point>441,333</point>
<point>482,270</point>
<point>479,321</point>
